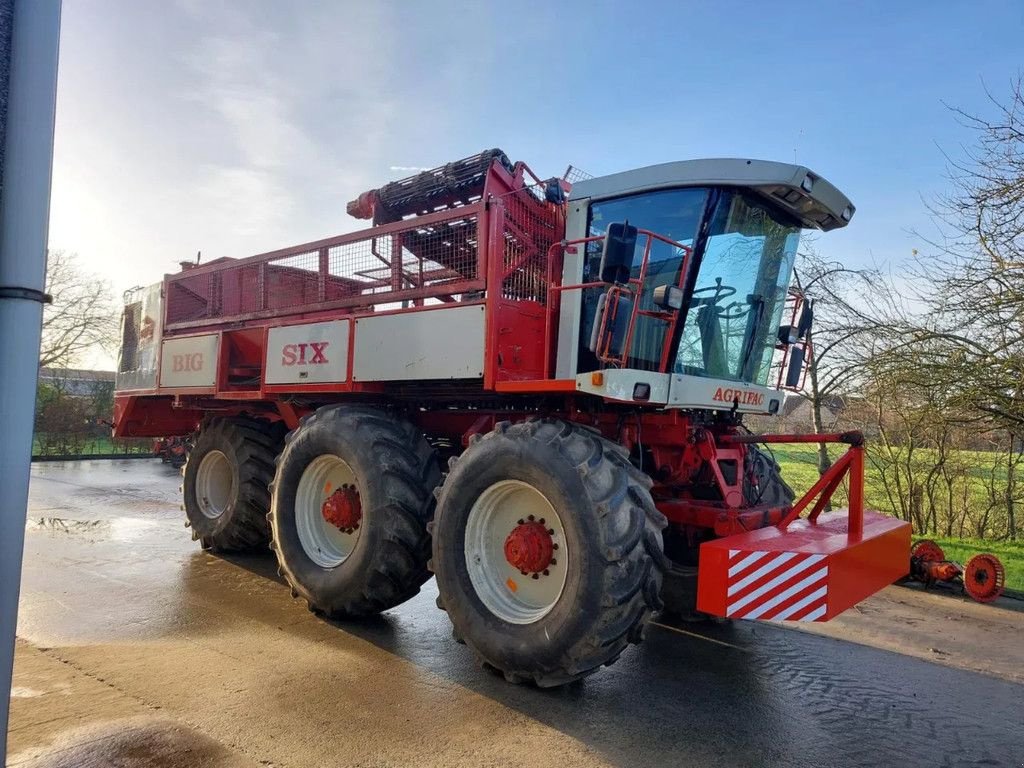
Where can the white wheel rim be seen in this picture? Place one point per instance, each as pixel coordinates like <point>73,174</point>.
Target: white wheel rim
<point>503,589</point>
<point>324,543</point>
<point>215,484</point>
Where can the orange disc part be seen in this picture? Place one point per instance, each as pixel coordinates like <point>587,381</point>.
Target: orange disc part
<point>928,551</point>
<point>984,577</point>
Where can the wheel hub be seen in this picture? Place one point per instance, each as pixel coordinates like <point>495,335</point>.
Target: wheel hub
<point>529,547</point>
<point>343,510</point>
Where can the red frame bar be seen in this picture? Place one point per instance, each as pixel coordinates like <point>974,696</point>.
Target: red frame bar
<point>850,463</point>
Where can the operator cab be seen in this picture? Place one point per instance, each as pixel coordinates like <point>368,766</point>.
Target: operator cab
<point>727,236</point>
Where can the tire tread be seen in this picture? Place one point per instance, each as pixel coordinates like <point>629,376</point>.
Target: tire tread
<point>630,529</point>
<point>400,568</point>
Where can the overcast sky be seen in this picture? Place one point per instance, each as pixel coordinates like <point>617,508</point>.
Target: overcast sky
<point>241,127</point>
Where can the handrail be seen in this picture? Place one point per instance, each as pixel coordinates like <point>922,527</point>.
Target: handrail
<point>570,246</point>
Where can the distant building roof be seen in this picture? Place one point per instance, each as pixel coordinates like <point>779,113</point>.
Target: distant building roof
<point>76,381</point>
<point>794,403</point>
<point>83,374</point>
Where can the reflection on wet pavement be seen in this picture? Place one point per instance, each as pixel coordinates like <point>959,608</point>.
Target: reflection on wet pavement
<point>108,561</point>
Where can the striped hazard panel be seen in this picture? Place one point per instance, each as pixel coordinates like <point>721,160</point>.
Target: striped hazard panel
<point>807,571</point>
<point>776,585</point>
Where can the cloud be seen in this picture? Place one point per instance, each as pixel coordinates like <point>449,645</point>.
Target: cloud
<point>297,106</point>
<point>238,128</point>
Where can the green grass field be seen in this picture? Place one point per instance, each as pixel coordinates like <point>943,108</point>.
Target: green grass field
<point>799,468</point>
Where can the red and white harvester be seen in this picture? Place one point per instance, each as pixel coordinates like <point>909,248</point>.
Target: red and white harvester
<point>533,390</point>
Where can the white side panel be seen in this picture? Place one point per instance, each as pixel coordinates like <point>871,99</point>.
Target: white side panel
<point>308,354</point>
<point>688,391</point>
<point>618,384</point>
<point>436,344</point>
<point>189,361</point>
<point>572,273</point>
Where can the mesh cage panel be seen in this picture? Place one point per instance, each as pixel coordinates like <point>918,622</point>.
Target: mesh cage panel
<point>530,229</point>
<point>574,174</point>
<point>418,261</point>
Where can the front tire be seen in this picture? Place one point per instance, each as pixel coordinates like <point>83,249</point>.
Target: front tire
<point>763,484</point>
<point>547,551</point>
<point>351,500</point>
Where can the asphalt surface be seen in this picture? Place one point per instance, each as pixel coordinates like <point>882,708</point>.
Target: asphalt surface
<point>115,590</point>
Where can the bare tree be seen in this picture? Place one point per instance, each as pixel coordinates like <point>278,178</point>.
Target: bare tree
<point>82,315</point>
<point>972,337</point>
<point>854,308</point>
<point>974,273</point>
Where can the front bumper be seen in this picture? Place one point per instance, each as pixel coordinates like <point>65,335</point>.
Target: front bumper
<point>806,571</point>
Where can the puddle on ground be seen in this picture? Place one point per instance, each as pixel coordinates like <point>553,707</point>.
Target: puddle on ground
<point>117,529</point>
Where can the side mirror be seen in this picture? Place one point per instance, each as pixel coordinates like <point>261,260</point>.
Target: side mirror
<point>795,371</point>
<point>806,319</point>
<point>617,253</point>
<point>668,297</point>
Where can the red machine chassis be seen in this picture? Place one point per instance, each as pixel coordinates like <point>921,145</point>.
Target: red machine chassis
<point>502,252</point>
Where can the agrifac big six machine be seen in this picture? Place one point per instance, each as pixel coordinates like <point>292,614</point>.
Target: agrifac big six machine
<point>534,390</point>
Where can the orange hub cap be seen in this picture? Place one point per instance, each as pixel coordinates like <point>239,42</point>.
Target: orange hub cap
<point>343,510</point>
<point>529,547</point>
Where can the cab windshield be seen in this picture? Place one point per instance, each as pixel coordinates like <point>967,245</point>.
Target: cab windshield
<point>739,292</point>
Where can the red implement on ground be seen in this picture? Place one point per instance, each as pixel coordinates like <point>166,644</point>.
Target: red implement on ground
<point>983,577</point>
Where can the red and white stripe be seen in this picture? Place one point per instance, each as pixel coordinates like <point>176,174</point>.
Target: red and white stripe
<point>776,585</point>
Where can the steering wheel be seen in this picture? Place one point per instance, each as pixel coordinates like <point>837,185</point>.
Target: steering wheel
<point>720,292</point>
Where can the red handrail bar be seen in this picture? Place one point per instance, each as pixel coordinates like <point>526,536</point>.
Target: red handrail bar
<point>569,246</point>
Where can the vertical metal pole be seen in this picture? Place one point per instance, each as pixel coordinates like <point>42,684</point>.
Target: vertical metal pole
<point>29,66</point>
<point>323,271</point>
<point>856,525</point>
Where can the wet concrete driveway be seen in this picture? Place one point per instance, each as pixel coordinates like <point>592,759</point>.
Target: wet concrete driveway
<point>115,591</point>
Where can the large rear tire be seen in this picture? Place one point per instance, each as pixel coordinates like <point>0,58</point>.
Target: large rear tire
<point>547,551</point>
<point>226,478</point>
<point>352,497</point>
